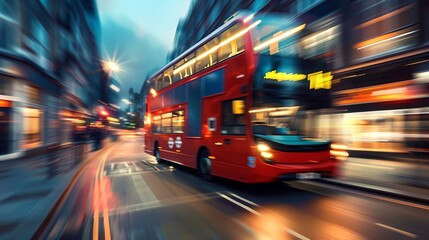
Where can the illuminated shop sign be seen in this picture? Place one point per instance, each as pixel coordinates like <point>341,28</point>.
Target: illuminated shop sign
<point>318,80</point>
<point>282,76</point>
<point>5,103</point>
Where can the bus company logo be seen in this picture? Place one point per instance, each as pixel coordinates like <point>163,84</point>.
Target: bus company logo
<point>178,142</point>
<point>170,142</point>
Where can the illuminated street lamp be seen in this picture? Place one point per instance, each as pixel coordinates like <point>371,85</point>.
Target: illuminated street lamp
<point>111,66</point>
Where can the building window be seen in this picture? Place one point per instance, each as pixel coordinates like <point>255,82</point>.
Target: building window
<point>31,127</point>
<point>323,42</point>
<point>233,117</point>
<point>383,27</point>
<point>32,93</point>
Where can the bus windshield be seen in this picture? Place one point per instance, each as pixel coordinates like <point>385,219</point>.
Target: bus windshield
<point>285,83</point>
<point>274,121</point>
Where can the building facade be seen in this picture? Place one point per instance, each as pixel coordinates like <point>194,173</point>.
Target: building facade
<point>49,72</point>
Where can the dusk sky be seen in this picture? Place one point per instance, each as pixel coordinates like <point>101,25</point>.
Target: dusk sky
<point>139,34</point>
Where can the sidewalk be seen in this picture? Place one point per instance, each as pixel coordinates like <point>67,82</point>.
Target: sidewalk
<point>30,187</point>
<point>402,179</point>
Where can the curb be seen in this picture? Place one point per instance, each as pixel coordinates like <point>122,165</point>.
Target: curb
<point>416,197</point>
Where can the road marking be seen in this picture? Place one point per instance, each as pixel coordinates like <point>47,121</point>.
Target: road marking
<point>143,190</point>
<point>151,164</point>
<point>244,200</point>
<point>96,211</point>
<point>415,205</point>
<point>164,203</point>
<point>136,173</point>
<point>126,164</point>
<point>100,199</point>
<point>112,166</point>
<point>288,230</point>
<point>241,205</point>
<point>408,234</point>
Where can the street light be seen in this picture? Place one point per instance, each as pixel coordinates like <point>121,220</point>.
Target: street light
<point>111,66</point>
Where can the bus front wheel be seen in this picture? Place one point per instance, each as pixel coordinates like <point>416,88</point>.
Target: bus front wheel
<point>205,165</point>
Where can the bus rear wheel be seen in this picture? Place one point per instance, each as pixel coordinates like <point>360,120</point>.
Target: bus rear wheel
<point>156,154</point>
<point>205,165</point>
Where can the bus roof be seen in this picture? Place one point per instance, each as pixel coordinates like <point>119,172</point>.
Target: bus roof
<point>240,16</point>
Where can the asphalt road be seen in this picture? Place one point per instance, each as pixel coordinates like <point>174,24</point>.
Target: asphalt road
<point>124,194</point>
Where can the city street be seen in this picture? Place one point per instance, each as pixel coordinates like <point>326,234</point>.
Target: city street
<point>124,194</point>
<point>105,105</point>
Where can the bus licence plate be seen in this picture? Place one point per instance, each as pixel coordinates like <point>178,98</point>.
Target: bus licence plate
<point>308,175</point>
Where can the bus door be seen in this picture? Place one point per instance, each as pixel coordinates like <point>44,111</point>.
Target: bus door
<point>233,140</point>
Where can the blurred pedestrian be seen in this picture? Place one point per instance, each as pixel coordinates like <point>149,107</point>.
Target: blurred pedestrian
<point>97,135</point>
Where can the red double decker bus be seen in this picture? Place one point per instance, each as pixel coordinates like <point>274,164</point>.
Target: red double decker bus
<point>234,105</point>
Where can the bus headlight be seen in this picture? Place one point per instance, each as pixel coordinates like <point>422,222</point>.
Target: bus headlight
<point>263,147</point>
<point>264,150</point>
<point>266,155</point>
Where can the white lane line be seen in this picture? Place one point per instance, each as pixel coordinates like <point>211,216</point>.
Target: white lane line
<point>290,231</point>
<point>244,200</point>
<point>241,205</point>
<point>121,174</point>
<point>126,164</point>
<point>409,204</point>
<point>408,234</point>
<point>112,166</point>
<point>143,189</point>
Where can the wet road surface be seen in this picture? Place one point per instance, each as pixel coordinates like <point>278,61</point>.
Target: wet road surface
<point>125,194</point>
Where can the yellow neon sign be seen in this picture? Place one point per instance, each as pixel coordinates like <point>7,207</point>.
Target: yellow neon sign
<point>318,80</point>
<point>282,76</point>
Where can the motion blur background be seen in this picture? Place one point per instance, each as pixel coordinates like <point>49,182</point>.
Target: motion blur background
<point>60,94</point>
<point>52,76</point>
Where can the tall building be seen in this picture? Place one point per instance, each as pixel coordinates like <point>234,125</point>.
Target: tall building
<point>49,72</point>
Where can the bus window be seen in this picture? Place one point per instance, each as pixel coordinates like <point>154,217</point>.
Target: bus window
<point>166,123</point>
<point>158,82</point>
<point>168,78</point>
<point>233,117</point>
<point>156,126</point>
<point>206,55</point>
<point>178,121</point>
<point>187,71</point>
<point>232,47</point>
